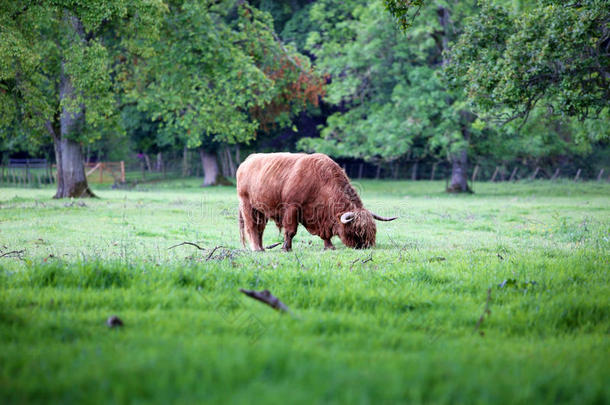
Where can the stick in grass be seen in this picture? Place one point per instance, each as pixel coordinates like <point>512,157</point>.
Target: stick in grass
<point>186,243</point>
<point>273,245</point>
<point>267,298</point>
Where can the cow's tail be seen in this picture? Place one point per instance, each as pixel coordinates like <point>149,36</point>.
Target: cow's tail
<point>242,235</point>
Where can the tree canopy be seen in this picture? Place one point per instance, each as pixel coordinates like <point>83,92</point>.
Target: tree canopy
<point>554,54</point>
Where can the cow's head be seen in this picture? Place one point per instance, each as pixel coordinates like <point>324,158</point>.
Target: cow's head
<point>357,228</point>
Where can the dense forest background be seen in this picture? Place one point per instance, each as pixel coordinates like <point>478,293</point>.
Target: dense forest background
<point>191,87</point>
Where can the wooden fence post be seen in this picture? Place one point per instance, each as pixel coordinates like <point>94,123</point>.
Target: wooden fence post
<point>556,174</point>
<point>535,173</point>
<point>577,175</point>
<point>493,177</point>
<point>513,174</point>
<point>414,171</point>
<point>601,173</point>
<point>433,171</point>
<point>50,173</point>
<point>122,172</point>
<point>474,173</point>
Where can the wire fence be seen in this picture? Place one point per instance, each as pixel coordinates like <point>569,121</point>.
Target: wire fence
<point>38,172</point>
<point>478,172</point>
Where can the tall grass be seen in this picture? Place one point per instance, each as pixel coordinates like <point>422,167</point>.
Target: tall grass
<point>397,323</point>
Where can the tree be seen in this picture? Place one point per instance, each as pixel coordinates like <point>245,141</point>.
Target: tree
<point>555,54</point>
<point>219,72</point>
<point>55,73</point>
<point>393,103</point>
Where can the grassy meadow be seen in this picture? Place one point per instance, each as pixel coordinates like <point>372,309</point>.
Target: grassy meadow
<point>498,297</point>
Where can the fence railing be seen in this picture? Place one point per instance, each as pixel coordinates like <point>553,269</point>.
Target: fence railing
<point>27,172</point>
<point>37,172</point>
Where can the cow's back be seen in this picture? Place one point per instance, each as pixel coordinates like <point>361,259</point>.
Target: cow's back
<point>267,180</point>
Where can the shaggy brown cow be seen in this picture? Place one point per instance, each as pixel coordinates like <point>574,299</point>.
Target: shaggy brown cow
<point>300,188</point>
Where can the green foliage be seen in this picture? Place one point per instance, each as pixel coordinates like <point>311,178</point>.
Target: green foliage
<point>405,11</point>
<point>39,39</point>
<point>391,99</point>
<point>554,54</point>
<point>214,68</point>
<point>363,327</point>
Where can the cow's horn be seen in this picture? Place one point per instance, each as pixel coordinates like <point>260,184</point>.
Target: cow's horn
<point>378,218</point>
<point>347,217</point>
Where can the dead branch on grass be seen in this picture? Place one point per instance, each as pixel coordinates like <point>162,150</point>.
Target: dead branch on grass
<point>13,253</point>
<point>273,245</point>
<point>266,297</point>
<point>186,243</point>
<point>362,260</point>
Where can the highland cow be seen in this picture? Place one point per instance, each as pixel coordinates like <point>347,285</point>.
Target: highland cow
<point>299,188</point>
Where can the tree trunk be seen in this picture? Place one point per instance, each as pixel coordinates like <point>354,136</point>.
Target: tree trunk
<point>237,156</point>
<point>185,162</point>
<point>459,173</point>
<point>159,164</point>
<point>147,160</point>
<point>71,179</point>
<point>210,168</point>
<point>232,168</point>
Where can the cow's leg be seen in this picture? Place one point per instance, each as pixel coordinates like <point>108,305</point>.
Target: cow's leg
<point>328,245</point>
<point>242,231</point>
<point>252,224</point>
<point>290,223</point>
<point>260,221</point>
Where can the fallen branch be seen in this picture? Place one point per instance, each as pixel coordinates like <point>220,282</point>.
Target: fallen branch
<point>362,260</point>
<point>267,298</point>
<point>273,245</point>
<point>213,251</point>
<point>486,311</point>
<point>16,253</point>
<point>186,243</point>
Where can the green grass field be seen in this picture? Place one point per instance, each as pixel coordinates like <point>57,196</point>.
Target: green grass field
<point>405,322</point>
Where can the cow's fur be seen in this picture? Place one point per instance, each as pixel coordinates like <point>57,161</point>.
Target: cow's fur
<point>300,188</point>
